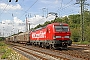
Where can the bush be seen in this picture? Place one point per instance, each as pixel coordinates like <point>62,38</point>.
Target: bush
<point>75,35</point>
<point>85,42</point>
<point>2,38</point>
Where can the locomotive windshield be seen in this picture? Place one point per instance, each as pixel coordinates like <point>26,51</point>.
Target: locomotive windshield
<point>61,28</point>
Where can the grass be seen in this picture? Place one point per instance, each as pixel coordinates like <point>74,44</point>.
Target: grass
<point>4,50</point>
<point>9,54</point>
<point>83,42</point>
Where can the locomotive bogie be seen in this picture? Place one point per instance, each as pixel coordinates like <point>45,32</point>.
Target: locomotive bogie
<point>51,43</point>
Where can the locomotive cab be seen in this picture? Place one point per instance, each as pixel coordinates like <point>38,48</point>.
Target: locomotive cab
<point>60,35</point>
<point>62,32</point>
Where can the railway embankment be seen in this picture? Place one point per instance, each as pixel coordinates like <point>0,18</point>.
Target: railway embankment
<point>6,53</point>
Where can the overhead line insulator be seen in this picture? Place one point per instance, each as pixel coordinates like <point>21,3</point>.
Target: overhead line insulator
<point>9,0</point>
<point>16,0</point>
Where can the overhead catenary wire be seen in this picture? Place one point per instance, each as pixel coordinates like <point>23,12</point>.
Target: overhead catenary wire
<point>63,7</point>
<point>29,8</point>
<point>68,6</point>
<point>12,14</point>
<point>61,3</point>
<point>4,8</point>
<point>21,3</point>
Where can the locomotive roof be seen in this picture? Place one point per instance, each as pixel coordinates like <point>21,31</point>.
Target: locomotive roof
<point>59,24</point>
<point>51,24</point>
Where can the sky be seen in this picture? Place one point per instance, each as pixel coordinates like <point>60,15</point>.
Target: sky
<point>13,14</point>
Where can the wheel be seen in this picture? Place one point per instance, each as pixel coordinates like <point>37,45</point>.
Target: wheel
<point>65,47</point>
<point>42,45</point>
<point>45,46</point>
<point>51,46</point>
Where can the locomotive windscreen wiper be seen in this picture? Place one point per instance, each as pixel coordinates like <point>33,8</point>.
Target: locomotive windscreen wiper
<point>62,28</point>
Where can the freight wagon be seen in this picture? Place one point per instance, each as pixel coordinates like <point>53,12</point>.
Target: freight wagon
<point>20,38</point>
<point>23,37</point>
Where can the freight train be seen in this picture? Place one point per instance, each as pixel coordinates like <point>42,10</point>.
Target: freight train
<point>54,35</point>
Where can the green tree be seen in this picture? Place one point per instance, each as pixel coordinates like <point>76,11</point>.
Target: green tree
<point>46,23</point>
<point>38,26</point>
<point>2,38</point>
<point>65,19</point>
<point>87,34</point>
<point>75,19</point>
<point>87,18</point>
<point>75,35</point>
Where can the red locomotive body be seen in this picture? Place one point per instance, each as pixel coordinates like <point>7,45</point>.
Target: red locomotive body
<point>55,35</point>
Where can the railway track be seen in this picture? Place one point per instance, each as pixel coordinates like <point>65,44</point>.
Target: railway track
<point>79,51</point>
<point>47,54</point>
<point>38,54</point>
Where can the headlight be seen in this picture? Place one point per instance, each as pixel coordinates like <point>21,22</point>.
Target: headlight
<point>58,36</point>
<point>54,37</point>
<point>66,36</point>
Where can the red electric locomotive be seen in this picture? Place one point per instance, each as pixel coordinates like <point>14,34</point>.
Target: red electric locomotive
<point>55,35</point>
